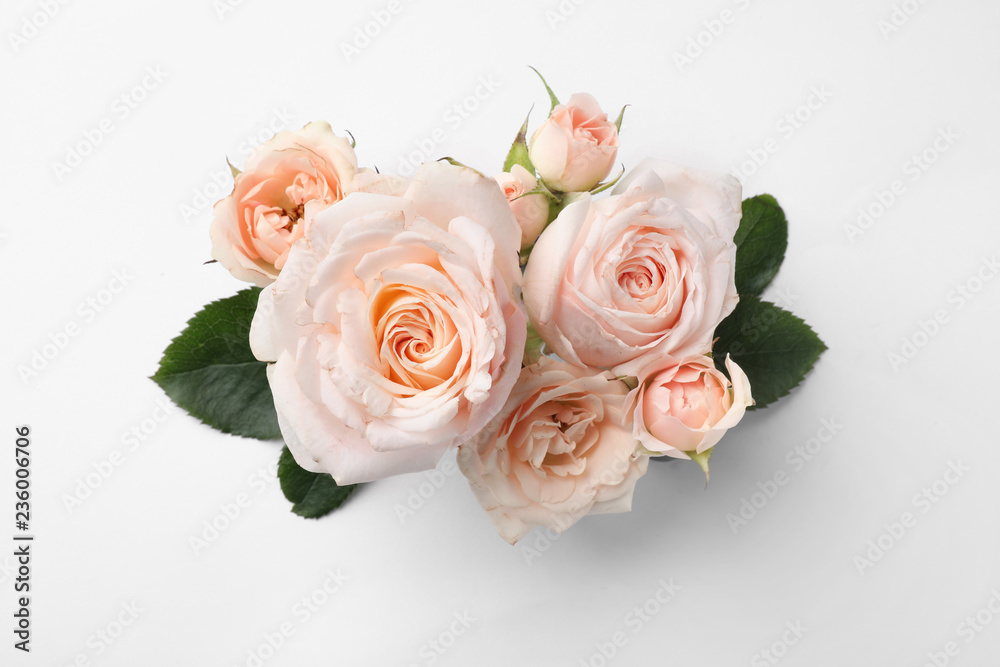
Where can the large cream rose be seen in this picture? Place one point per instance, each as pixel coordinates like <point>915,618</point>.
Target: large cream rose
<point>394,326</point>
<point>286,181</point>
<point>645,272</point>
<point>558,452</point>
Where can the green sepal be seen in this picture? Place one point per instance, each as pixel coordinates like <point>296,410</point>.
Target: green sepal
<point>621,115</point>
<point>601,188</point>
<point>453,161</point>
<point>552,96</point>
<point>518,153</point>
<point>532,347</point>
<point>702,460</point>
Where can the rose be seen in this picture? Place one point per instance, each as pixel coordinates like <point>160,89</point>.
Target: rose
<point>576,146</point>
<point>685,407</point>
<point>557,452</point>
<point>394,328</point>
<point>531,211</point>
<point>366,180</point>
<point>649,270</point>
<point>286,181</point>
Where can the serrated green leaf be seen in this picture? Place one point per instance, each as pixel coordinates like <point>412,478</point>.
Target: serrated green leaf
<point>518,153</point>
<point>313,494</point>
<point>774,348</point>
<point>210,371</point>
<point>552,96</point>
<point>761,240</point>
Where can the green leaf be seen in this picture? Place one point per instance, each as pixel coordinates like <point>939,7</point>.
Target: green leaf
<point>773,347</point>
<point>761,240</point>
<point>210,371</point>
<point>552,96</point>
<point>233,170</point>
<point>313,494</point>
<point>519,150</point>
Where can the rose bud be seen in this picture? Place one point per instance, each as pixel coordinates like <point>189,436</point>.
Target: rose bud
<point>576,147</point>
<point>683,408</point>
<point>531,211</point>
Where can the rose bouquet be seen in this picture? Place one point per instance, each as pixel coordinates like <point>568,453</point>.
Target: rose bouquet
<point>556,338</point>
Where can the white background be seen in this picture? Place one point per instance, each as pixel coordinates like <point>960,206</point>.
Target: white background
<point>231,76</point>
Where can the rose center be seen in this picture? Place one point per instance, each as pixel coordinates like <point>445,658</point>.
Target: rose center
<point>641,278</point>
<point>584,134</point>
<point>417,340</point>
<point>304,188</point>
<point>689,403</point>
<point>561,435</point>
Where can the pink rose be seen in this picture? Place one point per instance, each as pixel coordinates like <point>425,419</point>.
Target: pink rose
<point>286,181</point>
<point>531,211</point>
<point>557,452</point>
<point>685,407</point>
<point>647,271</point>
<point>576,146</point>
<point>394,328</point>
<point>366,180</point>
